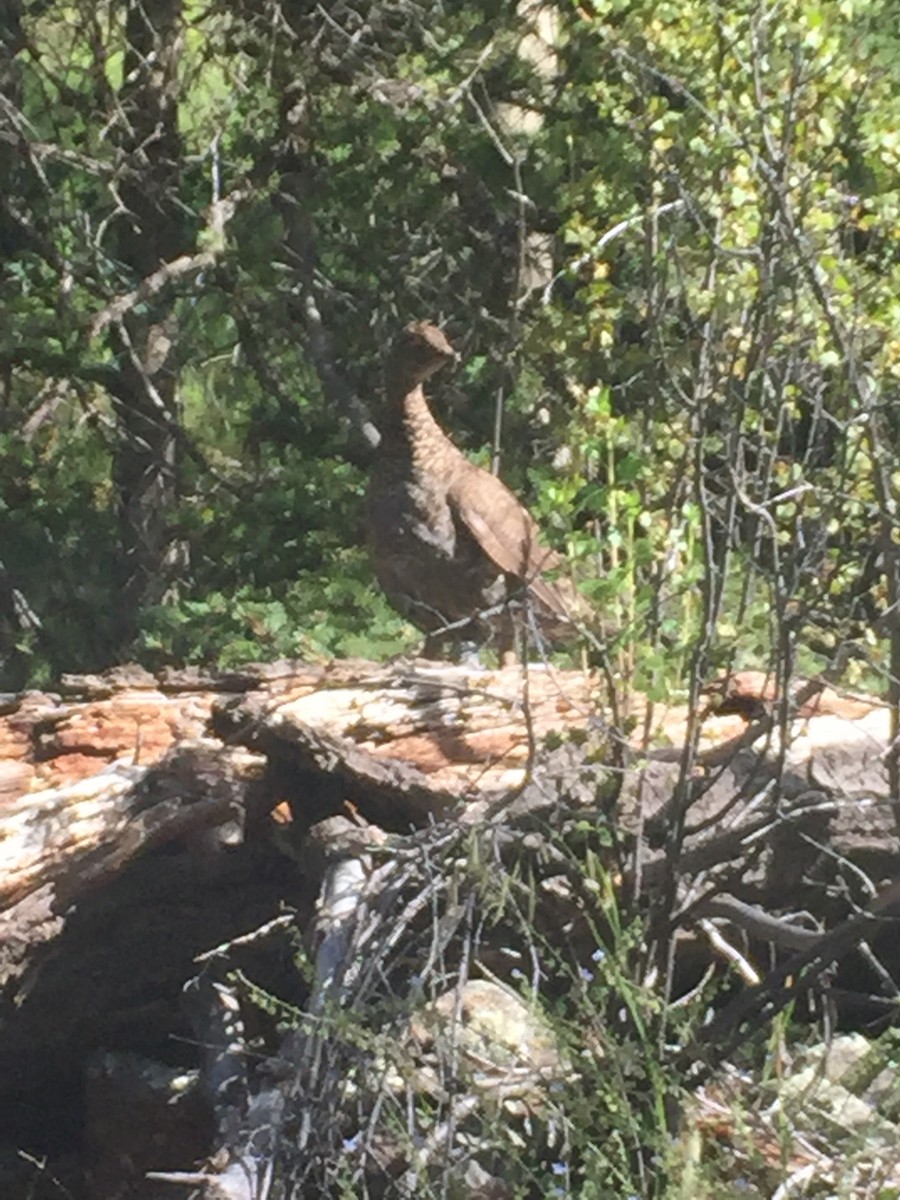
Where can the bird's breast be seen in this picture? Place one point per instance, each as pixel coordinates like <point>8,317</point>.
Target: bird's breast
<point>406,510</point>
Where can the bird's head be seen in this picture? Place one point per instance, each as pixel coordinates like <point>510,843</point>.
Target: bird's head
<point>418,351</point>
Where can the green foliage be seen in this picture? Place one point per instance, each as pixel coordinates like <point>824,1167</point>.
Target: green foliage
<point>312,618</point>
<point>736,274</point>
<point>700,406</point>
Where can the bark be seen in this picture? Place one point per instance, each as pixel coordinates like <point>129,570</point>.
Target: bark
<point>145,469</point>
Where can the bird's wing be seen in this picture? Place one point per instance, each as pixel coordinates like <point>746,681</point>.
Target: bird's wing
<point>506,532</point>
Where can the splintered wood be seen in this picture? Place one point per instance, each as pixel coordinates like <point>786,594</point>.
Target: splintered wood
<point>467,731</point>
<point>408,742</point>
<point>83,832</point>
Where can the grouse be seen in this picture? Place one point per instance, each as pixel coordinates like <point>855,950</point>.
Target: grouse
<point>453,549</point>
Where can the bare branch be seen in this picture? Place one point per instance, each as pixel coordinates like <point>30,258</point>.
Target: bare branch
<point>218,216</point>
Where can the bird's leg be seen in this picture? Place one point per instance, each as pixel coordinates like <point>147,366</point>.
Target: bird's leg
<point>506,646</point>
<point>446,645</point>
<point>434,646</point>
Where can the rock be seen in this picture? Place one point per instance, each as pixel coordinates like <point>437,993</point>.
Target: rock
<point>503,1043</point>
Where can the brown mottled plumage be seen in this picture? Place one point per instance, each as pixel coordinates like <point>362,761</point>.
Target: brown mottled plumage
<point>452,546</point>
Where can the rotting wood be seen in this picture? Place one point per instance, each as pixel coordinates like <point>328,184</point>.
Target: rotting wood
<point>73,837</point>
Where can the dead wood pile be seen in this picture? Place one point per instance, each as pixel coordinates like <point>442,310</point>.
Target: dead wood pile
<point>147,820</point>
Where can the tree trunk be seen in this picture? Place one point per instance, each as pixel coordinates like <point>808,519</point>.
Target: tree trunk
<point>145,468</point>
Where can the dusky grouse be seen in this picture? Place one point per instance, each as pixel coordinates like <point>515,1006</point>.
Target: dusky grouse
<point>453,549</point>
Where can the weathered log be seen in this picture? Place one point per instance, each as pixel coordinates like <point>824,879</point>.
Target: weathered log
<point>72,838</point>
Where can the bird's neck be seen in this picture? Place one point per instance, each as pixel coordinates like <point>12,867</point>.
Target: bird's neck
<point>408,420</point>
